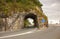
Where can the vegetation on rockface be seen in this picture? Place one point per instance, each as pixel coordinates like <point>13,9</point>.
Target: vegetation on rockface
<point>7,7</point>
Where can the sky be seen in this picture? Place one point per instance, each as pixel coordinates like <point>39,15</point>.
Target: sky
<point>51,8</point>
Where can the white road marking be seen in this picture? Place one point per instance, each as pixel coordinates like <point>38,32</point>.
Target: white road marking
<point>29,32</point>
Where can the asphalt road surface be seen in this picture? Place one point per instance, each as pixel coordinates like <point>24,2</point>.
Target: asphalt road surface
<point>52,32</point>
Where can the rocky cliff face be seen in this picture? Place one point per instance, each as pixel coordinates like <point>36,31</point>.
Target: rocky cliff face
<point>12,14</point>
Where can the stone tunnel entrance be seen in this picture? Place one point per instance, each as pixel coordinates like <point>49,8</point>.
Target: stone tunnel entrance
<point>30,21</point>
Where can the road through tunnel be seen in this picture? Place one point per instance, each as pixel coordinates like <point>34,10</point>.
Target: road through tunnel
<point>30,21</point>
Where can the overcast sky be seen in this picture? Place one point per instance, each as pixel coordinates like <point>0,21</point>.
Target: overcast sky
<point>51,8</point>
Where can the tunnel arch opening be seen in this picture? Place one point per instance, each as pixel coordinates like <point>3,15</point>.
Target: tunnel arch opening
<point>30,21</point>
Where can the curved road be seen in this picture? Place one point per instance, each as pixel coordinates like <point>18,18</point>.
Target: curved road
<point>52,32</point>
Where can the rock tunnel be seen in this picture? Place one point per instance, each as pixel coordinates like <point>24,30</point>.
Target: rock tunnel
<point>34,19</point>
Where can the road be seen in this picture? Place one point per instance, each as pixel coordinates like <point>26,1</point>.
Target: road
<point>52,32</point>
